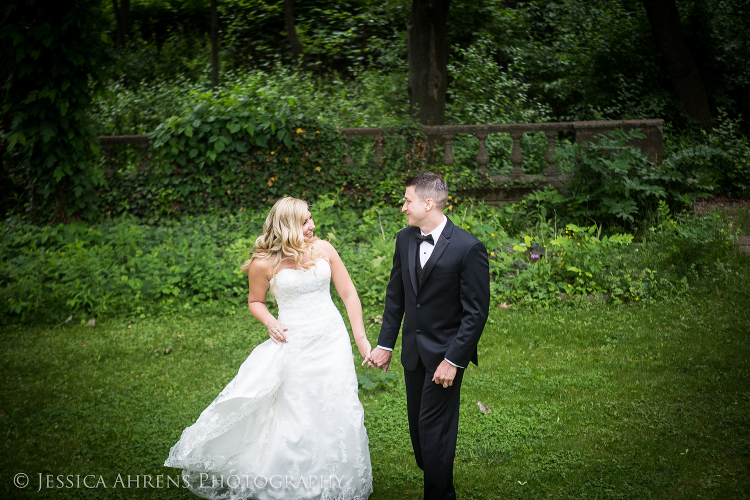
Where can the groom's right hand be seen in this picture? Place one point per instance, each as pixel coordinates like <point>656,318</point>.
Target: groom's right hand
<point>380,358</point>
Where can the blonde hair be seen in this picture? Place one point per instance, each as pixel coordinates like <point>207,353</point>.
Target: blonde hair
<point>282,236</point>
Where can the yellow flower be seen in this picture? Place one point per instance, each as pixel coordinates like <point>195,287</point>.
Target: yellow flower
<point>317,168</point>
<point>467,227</point>
<point>492,253</point>
<point>568,285</point>
<point>299,130</point>
<point>493,234</point>
<point>272,152</point>
<point>579,244</point>
<point>317,131</point>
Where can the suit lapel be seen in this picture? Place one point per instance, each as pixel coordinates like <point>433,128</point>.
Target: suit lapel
<point>440,246</point>
<point>413,261</point>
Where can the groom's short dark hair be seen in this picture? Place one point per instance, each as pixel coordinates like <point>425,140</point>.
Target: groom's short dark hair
<point>430,186</point>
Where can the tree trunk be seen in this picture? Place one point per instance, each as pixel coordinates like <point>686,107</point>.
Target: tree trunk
<point>122,17</point>
<point>121,21</point>
<point>678,60</point>
<point>214,44</point>
<point>428,60</point>
<point>291,31</point>
<point>125,16</point>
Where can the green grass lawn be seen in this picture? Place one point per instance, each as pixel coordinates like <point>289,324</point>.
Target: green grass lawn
<point>635,401</point>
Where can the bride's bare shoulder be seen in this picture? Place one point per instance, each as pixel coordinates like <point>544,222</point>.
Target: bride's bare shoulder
<point>325,247</point>
<point>261,267</point>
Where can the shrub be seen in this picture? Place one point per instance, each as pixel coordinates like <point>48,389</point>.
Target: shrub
<point>615,183</point>
<point>124,267</point>
<point>721,157</point>
<point>687,246</point>
<point>574,262</point>
<point>222,156</point>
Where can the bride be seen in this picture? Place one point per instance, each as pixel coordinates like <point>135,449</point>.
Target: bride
<point>290,424</point>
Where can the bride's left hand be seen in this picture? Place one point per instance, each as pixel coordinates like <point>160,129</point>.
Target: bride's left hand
<point>364,349</point>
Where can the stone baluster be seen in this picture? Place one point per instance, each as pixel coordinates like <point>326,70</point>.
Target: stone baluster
<point>347,159</point>
<point>516,158</point>
<point>551,170</point>
<point>379,150</point>
<point>143,146</point>
<point>448,150</point>
<point>108,170</point>
<point>482,158</point>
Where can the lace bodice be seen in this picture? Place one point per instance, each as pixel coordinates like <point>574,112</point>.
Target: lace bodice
<point>303,294</point>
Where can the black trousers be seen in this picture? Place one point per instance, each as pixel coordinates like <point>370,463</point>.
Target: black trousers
<point>433,426</point>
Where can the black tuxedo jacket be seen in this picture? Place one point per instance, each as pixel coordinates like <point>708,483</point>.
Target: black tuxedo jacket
<point>444,318</point>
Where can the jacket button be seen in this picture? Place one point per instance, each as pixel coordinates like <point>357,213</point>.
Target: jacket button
<point>419,331</point>
<point>418,306</point>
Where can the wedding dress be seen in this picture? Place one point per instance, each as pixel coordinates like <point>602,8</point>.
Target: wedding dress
<point>290,424</point>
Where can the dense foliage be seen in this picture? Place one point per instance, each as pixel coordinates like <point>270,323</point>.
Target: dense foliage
<point>582,59</point>
<point>53,58</point>
<point>616,184</point>
<point>520,62</point>
<point>126,267</point>
<point>208,161</point>
<point>219,156</point>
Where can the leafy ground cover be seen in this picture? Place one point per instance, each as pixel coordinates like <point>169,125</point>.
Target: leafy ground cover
<point>640,400</point>
<point>149,268</point>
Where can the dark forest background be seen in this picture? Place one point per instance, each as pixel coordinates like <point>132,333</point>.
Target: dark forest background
<point>582,59</point>
<point>77,70</point>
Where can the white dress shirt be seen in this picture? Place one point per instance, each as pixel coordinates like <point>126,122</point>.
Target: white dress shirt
<point>425,252</point>
<point>425,249</point>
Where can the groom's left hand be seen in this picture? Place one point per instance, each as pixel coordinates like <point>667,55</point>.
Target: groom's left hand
<point>444,374</point>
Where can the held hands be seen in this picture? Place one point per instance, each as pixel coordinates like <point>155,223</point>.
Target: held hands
<point>276,332</point>
<point>364,348</point>
<point>445,374</point>
<point>379,358</point>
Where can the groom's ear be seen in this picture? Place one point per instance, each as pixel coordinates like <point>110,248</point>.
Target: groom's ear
<point>429,204</point>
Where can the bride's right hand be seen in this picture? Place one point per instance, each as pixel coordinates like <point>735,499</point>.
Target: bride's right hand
<point>276,332</point>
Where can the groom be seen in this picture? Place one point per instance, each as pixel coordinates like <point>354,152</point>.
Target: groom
<point>440,287</point>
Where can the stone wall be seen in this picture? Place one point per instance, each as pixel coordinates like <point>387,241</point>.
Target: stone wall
<point>507,188</point>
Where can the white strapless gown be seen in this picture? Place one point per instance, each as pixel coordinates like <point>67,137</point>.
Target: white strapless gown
<point>290,424</point>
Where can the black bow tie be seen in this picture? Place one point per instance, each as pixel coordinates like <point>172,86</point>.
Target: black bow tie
<point>427,238</point>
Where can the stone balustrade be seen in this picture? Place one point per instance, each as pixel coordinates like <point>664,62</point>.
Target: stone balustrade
<point>584,132</point>
<point>109,142</point>
<point>652,144</point>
